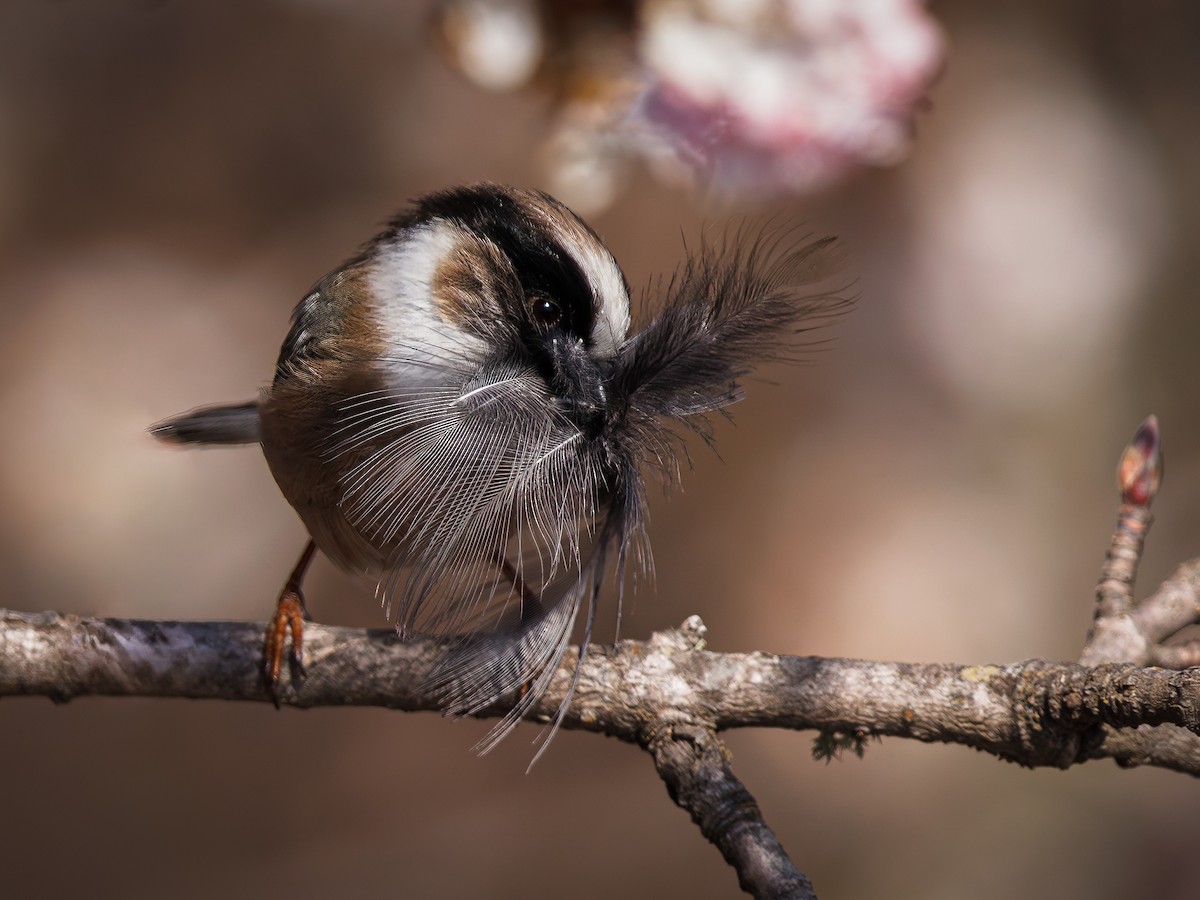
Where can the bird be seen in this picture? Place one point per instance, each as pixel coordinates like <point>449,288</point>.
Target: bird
<point>462,412</point>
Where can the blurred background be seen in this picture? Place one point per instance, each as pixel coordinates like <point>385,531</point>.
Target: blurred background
<point>937,486</point>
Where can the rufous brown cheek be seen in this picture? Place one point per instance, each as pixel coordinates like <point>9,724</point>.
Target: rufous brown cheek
<point>358,336</point>
<point>471,285</point>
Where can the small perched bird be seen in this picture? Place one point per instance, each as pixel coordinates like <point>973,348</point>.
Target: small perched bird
<point>460,411</point>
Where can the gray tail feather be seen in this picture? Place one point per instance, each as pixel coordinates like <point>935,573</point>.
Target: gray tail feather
<point>491,666</point>
<point>231,423</point>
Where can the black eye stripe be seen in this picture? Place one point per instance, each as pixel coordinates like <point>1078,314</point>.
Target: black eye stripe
<point>544,266</point>
<point>547,273</point>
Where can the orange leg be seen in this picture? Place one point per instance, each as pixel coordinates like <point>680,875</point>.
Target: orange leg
<point>289,617</point>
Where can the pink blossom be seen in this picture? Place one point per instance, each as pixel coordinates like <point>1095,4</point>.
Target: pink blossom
<point>762,95</point>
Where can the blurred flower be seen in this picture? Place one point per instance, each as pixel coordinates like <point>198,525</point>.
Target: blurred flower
<point>752,96</point>
<point>764,95</point>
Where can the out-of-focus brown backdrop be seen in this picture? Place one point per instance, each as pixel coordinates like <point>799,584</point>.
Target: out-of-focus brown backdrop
<point>937,487</point>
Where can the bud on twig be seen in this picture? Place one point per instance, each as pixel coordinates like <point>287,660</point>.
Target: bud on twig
<point>1139,474</point>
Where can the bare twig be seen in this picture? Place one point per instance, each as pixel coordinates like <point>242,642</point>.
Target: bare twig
<point>1166,747</point>
<point>695,766</point>
<point>1125,631</point>
<point>1035,713</point>
<point>1114,635</point>
<point>1177,656</point>
<point>1171,608</point>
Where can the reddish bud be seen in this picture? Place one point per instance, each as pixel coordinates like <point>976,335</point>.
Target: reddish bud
<point>1139,473</point>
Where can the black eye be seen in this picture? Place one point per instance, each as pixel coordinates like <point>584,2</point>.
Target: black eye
<point>546,312</point>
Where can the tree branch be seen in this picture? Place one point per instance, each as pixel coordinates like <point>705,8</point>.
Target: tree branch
<point>1035,713</point>
<point>671,696</point>
<point>1123,629</point>
<point>695,766</point>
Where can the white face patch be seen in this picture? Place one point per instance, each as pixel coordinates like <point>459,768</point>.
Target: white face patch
<point>424,347</point>
<point>607,284</point>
